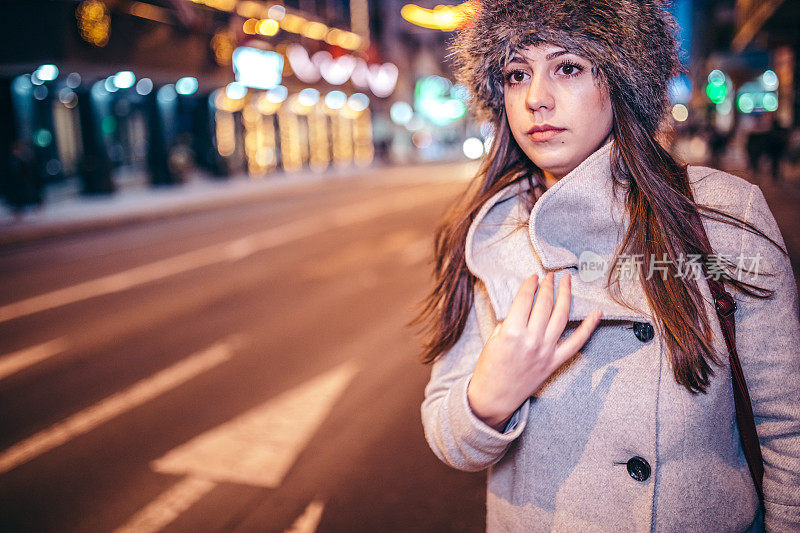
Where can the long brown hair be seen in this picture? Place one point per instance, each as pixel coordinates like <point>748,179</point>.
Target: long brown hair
<point>664,222</point>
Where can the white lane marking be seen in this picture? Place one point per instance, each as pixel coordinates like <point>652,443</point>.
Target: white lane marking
<point>259,446</point>
<point>309,520</point>
<point>228,251</point>
<point>116,404</point>
<point>255,448</point>
<point>168,506</point>
<point>14,362</point>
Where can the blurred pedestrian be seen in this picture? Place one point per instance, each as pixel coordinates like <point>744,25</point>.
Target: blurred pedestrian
<point>24,184</point>
<point>718,145</point>
<point>583,402</point>
<point>775,145</point>
<point>755,148</point>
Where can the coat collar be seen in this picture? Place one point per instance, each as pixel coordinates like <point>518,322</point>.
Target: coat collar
<point>576,219</point>
<point>578,214</point>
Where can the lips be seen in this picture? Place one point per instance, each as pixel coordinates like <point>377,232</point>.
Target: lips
<point>544,132</point>
<point>543,127</point>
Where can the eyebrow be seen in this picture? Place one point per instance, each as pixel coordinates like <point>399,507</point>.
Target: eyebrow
<point>552,55</point>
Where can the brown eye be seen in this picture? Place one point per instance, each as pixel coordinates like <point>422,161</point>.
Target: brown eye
<point>569,69</point>
<point>514,77</point>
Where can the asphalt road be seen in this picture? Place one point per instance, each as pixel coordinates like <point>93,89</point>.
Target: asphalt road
<point>239,369</point>
<point>244,368</point>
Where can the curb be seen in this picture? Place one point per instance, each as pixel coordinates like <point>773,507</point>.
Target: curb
<point>88,214</point>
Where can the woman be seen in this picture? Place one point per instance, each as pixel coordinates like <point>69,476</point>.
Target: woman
<point>577,355</point>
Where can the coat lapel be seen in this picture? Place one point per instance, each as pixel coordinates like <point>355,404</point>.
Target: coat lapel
<point>576,225</point>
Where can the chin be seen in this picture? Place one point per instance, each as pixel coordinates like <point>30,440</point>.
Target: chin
<point>553,163</point>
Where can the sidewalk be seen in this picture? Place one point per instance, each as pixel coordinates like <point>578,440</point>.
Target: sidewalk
<point>81,213</point>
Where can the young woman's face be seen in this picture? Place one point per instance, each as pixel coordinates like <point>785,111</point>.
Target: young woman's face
<point>546,86</point>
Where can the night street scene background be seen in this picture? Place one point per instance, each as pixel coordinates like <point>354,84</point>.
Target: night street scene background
<point>217,217</point>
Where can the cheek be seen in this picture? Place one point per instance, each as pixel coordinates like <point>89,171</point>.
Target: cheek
<point>592,102</point>
<point>514,110</point>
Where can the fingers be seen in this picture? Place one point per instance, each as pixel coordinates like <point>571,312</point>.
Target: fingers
<point>520,309</point>
<point>575,342</point>
<point>542,308</point>
<point>560,316</point>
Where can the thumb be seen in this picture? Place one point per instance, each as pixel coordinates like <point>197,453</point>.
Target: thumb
<point>496,330</point>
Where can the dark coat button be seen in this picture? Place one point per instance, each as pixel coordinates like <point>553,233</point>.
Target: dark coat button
<point>643,331</point>
<point>638,468</point>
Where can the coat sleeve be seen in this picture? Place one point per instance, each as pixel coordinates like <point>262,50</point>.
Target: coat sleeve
<point>454,433</point>
<point>768,343</point>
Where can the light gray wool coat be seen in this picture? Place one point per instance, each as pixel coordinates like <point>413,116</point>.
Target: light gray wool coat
<point>561,463</point>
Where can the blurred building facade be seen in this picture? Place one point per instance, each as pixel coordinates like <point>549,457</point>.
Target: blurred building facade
<point>115,93</point>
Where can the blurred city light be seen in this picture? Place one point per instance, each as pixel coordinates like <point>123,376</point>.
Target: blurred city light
<point>401,113</point>
<point>166,94</point>
<point>358,102</point>
<point>769,80</point>
<point>73,80</point>
<point>770,101</point>
<point>267,27</point>
<point>472,148</point>
<point>186,86</point>
<point>717,87</point>
<point>444,18</point>
<point>745,103</point>
<point>124,79</point>
<point>680,112</point>
<point>110,84</point>
<point>42,138</point>
<point>308,97</point>
<point>335,99</point>
<point>278,94</point>
<point>259,69</point>
<point>276,12</point>
<point>144,86</point>
<point>40,92</point>
<point>250,26</point>
<point>433,99</point>
<point>47,72</point>
<point>235,90</point>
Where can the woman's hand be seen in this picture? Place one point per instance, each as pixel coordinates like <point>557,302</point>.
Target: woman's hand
<point>522,353</point>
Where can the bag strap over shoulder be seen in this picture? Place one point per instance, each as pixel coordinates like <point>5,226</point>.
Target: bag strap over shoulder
<point>726,308</point>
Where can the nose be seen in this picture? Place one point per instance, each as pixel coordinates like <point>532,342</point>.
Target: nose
<point>539,94</point>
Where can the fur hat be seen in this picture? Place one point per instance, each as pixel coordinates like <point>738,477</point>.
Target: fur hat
<point>632,43</point>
